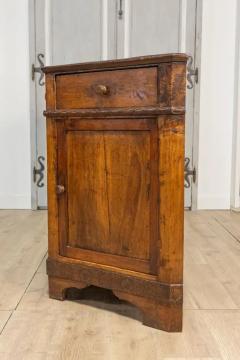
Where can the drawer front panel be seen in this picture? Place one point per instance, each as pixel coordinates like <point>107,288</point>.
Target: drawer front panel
<point>110,192</point>
<point>118,88</point>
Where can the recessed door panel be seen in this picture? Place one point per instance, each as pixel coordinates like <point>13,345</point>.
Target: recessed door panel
<point>108,191</point>
<point>110,182</point>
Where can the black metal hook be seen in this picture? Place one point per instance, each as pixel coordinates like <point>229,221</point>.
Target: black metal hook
<point>39,172</point>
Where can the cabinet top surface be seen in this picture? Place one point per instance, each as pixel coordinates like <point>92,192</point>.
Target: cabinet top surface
<point>119,63</point>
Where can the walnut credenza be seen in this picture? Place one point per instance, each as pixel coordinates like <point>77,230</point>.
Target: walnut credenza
<point>115,140</point>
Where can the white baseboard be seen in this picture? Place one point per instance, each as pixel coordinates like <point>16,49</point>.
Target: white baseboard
<point>15,201</point>
<point>237,210</point>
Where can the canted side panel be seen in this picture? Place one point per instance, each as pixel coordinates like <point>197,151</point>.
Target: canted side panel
<point>53,222</point>
<point>178,84</point>
<point>172,85</point>
<point>109,192</point>
<point>171,212</point>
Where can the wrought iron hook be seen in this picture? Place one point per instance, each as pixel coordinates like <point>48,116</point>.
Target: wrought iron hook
<point>188,172</point>
<point>39,69</point>
<point>191,73</point>
<point>39,172</point>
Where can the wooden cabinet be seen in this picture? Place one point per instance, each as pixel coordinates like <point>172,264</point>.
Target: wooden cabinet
<point>115,133</point>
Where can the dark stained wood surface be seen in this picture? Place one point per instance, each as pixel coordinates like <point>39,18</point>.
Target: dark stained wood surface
<point>130,87</point>
<point>171,177</point>
<point>171,86</point>
<point>115,181</point>
<point>107,277</point>
<point>108,186</point>
<point>119,63</point>
<point>107,169</point>
<point>117,112</point>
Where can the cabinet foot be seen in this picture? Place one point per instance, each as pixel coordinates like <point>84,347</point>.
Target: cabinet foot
<point>58,287</point>
<point>167,317</point>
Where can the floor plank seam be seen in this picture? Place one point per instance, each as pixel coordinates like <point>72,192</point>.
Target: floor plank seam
<point>229,232</point>
<point>6,322</point>
<point>13,310</point>
<point>30,281</point>
<point>238,241</point>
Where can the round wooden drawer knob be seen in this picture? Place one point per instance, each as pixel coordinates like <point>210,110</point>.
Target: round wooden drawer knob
<point>102,89</point>
<point>60,189</point>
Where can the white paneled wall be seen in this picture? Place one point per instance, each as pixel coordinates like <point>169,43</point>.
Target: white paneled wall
<point>15,172</point>
<point>216,104</point>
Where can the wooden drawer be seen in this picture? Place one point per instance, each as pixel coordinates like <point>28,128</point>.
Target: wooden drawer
<point>118,88</point>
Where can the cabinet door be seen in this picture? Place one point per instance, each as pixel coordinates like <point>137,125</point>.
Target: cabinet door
<point>108,211</point>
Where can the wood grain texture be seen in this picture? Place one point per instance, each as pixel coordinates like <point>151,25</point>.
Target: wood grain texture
<point>50,94</point>
<point>172,86</point>
<point>144,111</point>
<point>165,317</point>
<point>53,244</point>
<point>108,186</point>
<point>115,64</point>
<point>130,87</point>
<point>178,85</point>
<point>111,279</point>
<point>117,218</point>
<point>171,177</point>
<point>58,287</point>
<point>116,166</point>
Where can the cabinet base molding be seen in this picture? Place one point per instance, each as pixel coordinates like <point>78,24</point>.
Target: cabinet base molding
<point>161,309</point>
<point>167,317</point>
<point>58,287</point>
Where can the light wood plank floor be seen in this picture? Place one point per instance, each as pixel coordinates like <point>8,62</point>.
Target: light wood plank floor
<point>34,327</point>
